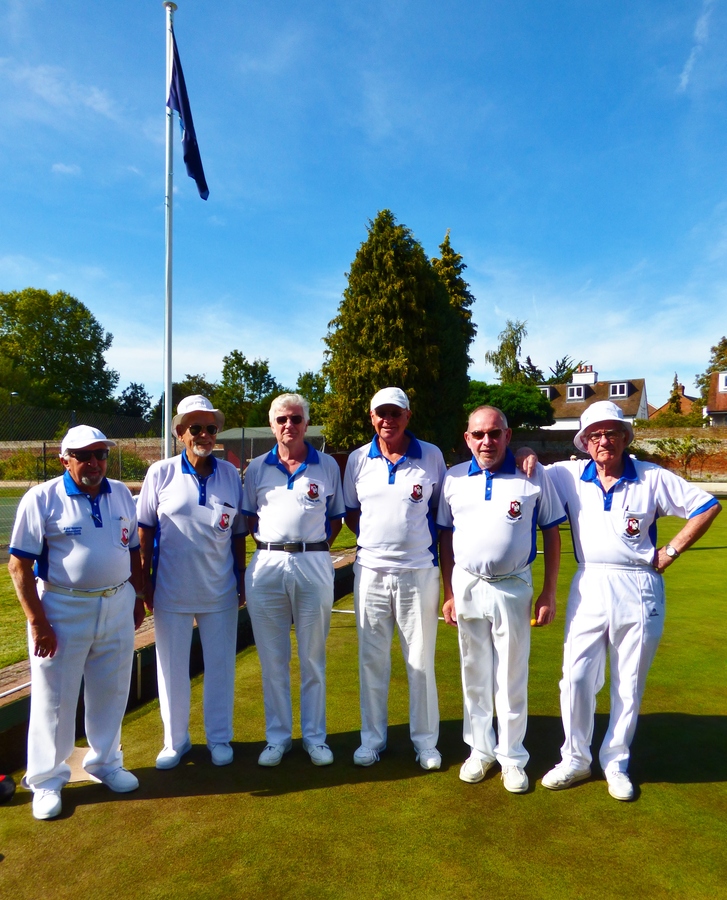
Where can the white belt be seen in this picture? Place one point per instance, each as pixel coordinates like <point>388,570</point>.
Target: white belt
<point>68,592</point>
<point>624,567</point>
<point>491,579</point>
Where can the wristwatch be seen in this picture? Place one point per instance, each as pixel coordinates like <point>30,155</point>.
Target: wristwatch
<point>670,551</point>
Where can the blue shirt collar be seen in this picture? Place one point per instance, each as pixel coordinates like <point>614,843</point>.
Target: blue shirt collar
<point>189,469</point>
<point>508,466</point>
<point>72,488</point>
<point>311,459</point>
<point>590,473</point>
<point>414,450</point>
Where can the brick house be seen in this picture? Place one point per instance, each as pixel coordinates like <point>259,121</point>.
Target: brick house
<point>569,401</point>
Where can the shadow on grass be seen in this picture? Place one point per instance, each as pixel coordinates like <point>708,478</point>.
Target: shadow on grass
<point>674,748</point>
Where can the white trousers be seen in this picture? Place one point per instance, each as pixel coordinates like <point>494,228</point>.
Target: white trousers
<point>95,643</point>
<point>493,621</point>
<point>619,611</point>
<point>409,601</point>
<point>218,634</point>
<point>283,589</point>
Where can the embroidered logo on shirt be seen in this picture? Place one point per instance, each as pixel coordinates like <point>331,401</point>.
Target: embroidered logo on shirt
<point>224,522</point>
<point>514,511</point>
<point>633,528</point>
<point>72,529</point>
<point>124,537</point>
<point>417,493</point>
<point>313,491</point>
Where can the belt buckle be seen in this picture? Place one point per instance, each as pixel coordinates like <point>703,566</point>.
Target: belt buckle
<point>292,547</point>
<point>109,592</point>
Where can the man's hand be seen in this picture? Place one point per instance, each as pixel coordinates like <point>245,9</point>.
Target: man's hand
<point>526,460</point>
<point>449,613</point>
<point>662,560</point>
<point>544,611</point>
<point>45,642</point>
<point>139,612</point>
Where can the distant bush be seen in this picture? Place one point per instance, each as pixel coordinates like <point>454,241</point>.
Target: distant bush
<point>126,465</point>
<point>24,465</point>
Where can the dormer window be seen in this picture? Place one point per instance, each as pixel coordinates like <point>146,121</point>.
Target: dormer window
<point>545,391</point>
<point>618,389</point>
<point>576,392</point>
<point>722,382</point>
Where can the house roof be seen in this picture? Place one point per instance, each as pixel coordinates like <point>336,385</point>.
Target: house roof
<point>687,404</point>
<point>716,400</point>
<point>573,409</point>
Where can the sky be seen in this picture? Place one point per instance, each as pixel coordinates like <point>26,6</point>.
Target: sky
<point>577,152</point>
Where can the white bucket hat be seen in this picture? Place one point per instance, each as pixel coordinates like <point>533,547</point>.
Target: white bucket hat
<point>391,395</point>
<point>83,436</point>
<point>197,403</point>
<point>602,411</point>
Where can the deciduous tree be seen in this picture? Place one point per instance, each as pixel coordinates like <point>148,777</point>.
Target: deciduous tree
<point>523,404</point>
<point>135,400</point>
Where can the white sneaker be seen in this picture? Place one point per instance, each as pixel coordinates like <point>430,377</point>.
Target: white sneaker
<point>365,756</point>
<point>473,770</point>
<point>430,759</point>
<point>320,754</point>
<point>46,804</point>
<point>562,776</point>
<point>221,754</point>
<point>121,781</point>
<point>273,754</point>
<point>515,780</point>
<point>619,786</point>
<point>168,757</point>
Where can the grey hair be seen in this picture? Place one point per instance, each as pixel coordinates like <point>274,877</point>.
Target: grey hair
<point>500,413</point>
<point>285,401</point>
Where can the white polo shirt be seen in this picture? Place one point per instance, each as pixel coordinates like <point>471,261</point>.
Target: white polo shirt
<point>78,542</point>
<point>195,520</point>
<point>618,526</point>
<point>295,507</point>
<point>398,503</point>
<point>494,515</point>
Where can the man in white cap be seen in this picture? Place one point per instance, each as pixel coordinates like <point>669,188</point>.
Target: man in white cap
<point>616,601</point>
<point>74,561</point>
<point>192,536</point>
<point>293,499</point>
<point>488,515</point>
<point>391,488</point>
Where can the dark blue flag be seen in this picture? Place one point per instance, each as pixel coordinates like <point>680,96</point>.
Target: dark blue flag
<point>179,101</point>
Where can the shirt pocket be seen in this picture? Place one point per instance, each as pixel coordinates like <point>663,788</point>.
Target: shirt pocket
<point>312,493</point>
<point>222,519</point>
<point>631,526</point>
<point>123,536</point>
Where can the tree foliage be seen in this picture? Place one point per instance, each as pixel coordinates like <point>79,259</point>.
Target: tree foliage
<point>686,452</point>
<point>53,351</point>
<point>717,363</point>
<point>563,370</point>
<point>312,386</point>
<point>450,266</point>
<point>506,359</point>
<point>135,400</point>
<point>396,325</point>
<point>523,404</point>
<point>192,384</point>
<point>244,389</point>
<point>674,403</point>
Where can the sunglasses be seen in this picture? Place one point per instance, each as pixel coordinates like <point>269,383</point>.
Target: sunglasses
<point>85,455</point>
<point>194,430</point>
<point>294,420</point>
<point>493,435</point>
<point>389,412</point>
<point>595,436</point>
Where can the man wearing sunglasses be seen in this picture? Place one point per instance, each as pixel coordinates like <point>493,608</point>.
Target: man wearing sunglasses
<point>616,600</point>
<point>488,514</point>
<point>74,561</point>
<point>293,499</point>
<point>192,540</point>
<point>391,489</point>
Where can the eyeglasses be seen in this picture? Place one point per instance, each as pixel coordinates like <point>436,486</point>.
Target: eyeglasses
<point>389,412</point>
<point>493,435</point>
<point>194,430</point>
<point>595,436</point>
<point>85,455</point>
<point>294,420</point>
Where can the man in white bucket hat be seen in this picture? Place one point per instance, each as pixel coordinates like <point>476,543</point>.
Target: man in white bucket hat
<point>616,601</point>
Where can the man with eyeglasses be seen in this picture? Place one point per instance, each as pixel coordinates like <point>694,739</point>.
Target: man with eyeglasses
<point>391,489</point>
<point>293,499</point>
<point>192,546</point>
<point>74,562</point>
<point>616,600</point>
<point>488,514</point>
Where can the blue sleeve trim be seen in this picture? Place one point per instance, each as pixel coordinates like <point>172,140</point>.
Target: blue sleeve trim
<point>553,524</point>
<point>708,505</point>
<point>150,527</point>
<point>21,554</point>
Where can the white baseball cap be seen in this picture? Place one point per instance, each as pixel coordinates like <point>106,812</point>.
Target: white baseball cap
<point>601,411</point>
<point>197,403</point>
<point>83,436</point>
<point>393,396</point>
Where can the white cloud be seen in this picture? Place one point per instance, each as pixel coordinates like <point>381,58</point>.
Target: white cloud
<point>701,36</point>
<point>63,169</point>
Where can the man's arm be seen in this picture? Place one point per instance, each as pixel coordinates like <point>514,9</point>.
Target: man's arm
<point>335,526</point>
<point>353,517</point>
<point>137,582</point>
<point>544,611</point>
<point>526,460</point>
<point>146,555</point>
<point>446,565</point>
<point>691,532</point>
<point>239,552</point>
<point>44,638</point>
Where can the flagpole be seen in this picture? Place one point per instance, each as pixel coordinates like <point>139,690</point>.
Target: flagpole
<point>167,405</point>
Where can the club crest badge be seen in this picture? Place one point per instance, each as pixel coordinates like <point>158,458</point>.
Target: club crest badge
<point>514,512</point>
<point>224,522</point>
<point>313,491</point>
<point>633,529</point>
<point>416,493</point>
<point>124,537</point>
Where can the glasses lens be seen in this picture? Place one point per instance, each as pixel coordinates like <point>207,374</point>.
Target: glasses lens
<point>85,455</point>
<point>295,420</point>
<point>194,430</point>
<point>595,437</point>
<point>388,412</point>
<point>494,435</point>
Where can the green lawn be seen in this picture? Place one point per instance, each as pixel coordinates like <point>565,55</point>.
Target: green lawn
<point>393,831</point>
